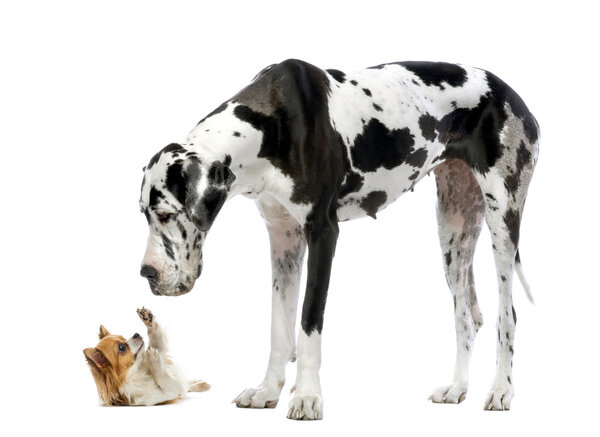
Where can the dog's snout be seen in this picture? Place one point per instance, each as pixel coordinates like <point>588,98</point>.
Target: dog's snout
<point>149,272</point>
<point>136,335</point>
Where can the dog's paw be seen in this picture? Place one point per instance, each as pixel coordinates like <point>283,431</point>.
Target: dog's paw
<point>307,407</point>
<point>499,397</point>
<point>146,316</point>
<point>260,397</point>
<point>449,394</point>
<point>153,357</point>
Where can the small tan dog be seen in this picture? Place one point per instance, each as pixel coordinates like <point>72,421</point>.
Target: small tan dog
<point>126,374</point>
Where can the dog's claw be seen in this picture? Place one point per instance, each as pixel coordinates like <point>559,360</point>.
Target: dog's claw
<point>261,397</point>
<point>449,394</point>
<point>308,407</point>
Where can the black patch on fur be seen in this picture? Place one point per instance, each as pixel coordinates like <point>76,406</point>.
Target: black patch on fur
<point>177,182</point>
<point>353,181</point>
<point>473,134</point>
<point>416,158</point>
<point>427,124</point>
<point>367,91</point>
<point>168,246</point>
<point>236,134</point>
<point>372,201</point>
<point>377,107</point>
<point>353,82</point>
<point>216,111</point>
<point>227,160</point>
<point>378,147</point>
<point>448,257</point>
<point>173,147</point>
<point>351,184</point>
<point>338,75</point>
<point>512,221</point>
<point>182,230</point>
<point>220,174</point>
<point>213,200</point>
<point>523,157</point>
<point>155,196</point>
<point>514,314</point>
<point>203,211</point>
<point>436,73</point>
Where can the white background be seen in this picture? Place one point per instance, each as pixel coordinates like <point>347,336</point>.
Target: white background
<point>91,90</point>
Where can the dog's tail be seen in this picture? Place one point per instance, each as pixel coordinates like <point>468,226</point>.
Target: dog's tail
<point>524,283</point>
<point>197,386</point>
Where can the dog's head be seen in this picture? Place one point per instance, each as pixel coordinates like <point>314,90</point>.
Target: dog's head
<point>110,361</point>
<point>181,196</point>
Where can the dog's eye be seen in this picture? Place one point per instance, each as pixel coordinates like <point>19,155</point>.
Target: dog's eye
<point>122,348</point>
<point>164,217</point>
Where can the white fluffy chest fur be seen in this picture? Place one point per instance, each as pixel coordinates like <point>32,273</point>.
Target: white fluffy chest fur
<point>142,387</point>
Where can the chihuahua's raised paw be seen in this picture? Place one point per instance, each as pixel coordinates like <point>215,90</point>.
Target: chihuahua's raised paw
<point>154,357</point>
<point>146,316</point>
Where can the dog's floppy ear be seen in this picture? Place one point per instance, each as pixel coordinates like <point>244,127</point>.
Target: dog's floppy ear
<point>203,205</point>
<point>95,357</point>
<point>103,332</point>
<point>219,173</point>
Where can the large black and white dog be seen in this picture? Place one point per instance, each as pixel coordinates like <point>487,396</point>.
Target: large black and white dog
<point>315,147</point>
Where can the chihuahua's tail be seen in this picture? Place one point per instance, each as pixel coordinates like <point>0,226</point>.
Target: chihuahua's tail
<point>197,386</point>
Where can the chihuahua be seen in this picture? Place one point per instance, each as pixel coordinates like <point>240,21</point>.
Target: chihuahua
<point>126,374</point>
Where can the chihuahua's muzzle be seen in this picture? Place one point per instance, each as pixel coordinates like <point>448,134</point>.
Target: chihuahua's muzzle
<point>136,344</point>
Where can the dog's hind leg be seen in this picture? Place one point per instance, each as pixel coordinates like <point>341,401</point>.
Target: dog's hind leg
<point>170,386</point>
<point>288,246</point>
<point>460,212</point>
<point>504,186</point>
<point>504,209</point>
<point>198,386</point>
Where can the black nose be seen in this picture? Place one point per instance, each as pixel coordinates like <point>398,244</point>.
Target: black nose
<point>136,335</point>
<point>149,273</point>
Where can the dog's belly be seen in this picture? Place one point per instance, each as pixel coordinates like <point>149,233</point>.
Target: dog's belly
<point>386,118</point>
<point>379,189</point>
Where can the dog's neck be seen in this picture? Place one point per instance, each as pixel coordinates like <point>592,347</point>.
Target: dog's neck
<point>224,137</point>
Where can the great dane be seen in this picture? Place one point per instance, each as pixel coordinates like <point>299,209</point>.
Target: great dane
<point>315,147</point>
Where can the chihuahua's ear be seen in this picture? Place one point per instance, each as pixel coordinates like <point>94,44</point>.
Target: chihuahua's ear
<point>95,357</point>
<point>103,332</point>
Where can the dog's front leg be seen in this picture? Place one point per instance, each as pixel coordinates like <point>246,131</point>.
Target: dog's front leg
<point>288,246</point>
<point>307,403</point>
<point>156,335</point>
